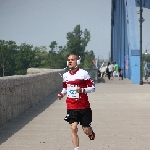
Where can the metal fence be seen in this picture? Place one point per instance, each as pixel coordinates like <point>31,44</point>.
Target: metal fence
<point>93,72</point>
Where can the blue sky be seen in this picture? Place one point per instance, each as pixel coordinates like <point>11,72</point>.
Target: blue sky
<point>38,22</point>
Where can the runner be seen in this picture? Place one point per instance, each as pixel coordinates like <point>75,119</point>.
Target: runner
<point>76,84</point>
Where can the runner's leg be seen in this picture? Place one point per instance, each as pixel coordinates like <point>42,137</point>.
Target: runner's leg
<point>75,138</point>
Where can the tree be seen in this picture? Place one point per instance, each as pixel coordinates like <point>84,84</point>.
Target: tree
<point>7,57</point>
<point>146,58</point>
<point>89,56</point>
<point>24,58</point>
<point>76,42</point>
<point>17,59</point>
<point>53,46</point>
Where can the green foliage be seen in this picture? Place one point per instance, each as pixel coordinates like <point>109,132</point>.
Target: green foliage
<point>89,56</point>
<point>40,57</point>
<point>17,59</point>
<point>7,55</point>
<point>77,41</point>
<point>53,46</point>
<point>24,58</point>
<point>146,58</point>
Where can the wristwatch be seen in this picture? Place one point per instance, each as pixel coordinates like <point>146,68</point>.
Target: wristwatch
<point>83,90</point>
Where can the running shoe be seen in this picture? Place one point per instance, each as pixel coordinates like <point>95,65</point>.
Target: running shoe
<point>92,136</point>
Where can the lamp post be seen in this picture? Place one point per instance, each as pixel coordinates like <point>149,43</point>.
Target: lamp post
<point>141,21</point>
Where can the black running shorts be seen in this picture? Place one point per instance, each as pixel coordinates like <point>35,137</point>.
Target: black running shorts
<point>82,116</point>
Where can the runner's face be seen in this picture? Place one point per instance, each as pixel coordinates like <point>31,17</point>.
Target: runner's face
<point>72,61</point>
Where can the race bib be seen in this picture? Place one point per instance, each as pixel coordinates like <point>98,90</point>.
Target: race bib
<point>71,91</point>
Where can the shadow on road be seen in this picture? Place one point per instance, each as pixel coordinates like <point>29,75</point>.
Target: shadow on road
<point>101,80</point>
<point>8,129</point>
<point>145,82</point>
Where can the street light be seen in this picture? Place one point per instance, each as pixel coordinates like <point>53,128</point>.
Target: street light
<point>146,52</point>
<point>146,48</point>
<point>141,21</point>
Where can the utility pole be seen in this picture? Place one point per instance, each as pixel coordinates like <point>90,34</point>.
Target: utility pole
<point>141,20</point>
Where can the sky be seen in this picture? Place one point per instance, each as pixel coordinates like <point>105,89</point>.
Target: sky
<point>39,22</point>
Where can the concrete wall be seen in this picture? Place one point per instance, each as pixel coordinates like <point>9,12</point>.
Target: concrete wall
<point>20,92</point>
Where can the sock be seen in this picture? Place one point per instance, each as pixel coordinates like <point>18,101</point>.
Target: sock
<point>77,148</point>
<point>91,131</point>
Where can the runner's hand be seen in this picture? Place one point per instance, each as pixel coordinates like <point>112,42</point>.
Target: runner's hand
<point>79,90</point>
<point>60,96</point>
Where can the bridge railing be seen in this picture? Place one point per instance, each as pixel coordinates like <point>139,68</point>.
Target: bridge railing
<point>20,92</point>
<point>93,72</point>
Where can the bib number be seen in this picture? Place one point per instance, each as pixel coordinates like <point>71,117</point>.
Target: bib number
<point>71,92</point>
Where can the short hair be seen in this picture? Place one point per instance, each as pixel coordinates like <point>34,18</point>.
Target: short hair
<point>77,57</point>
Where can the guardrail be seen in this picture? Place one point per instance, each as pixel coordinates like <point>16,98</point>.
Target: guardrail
<point>93,72</point>
<point>20,92</point>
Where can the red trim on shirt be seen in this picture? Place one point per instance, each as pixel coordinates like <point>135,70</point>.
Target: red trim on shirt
<point>64,85</point>
<point>89,82</point>
<point>72,73</point>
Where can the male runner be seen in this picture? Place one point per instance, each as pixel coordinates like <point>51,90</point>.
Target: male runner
<point>76,84</point>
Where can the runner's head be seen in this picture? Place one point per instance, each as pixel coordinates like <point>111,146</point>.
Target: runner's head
<point>72,61</point>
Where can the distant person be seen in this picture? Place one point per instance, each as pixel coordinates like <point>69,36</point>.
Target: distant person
<point>146,71</point>
<point>115,73</point>
<point>99,73</point>
<point>120,70</point>
<point>108,70</point>
<point>111,70</point>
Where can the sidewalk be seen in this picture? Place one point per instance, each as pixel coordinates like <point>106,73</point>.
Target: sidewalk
<point>121,121</point>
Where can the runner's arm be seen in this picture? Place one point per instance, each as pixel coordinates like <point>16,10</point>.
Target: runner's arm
<point>90,84</point>
<point>64,90</point>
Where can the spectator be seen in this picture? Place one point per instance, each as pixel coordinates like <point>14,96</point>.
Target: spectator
<point>120,70</point>
<point>99,73</point>
<point>108,70</point>
<point>115,73</point>
<point>146,72</point>
<point>111,70</point>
